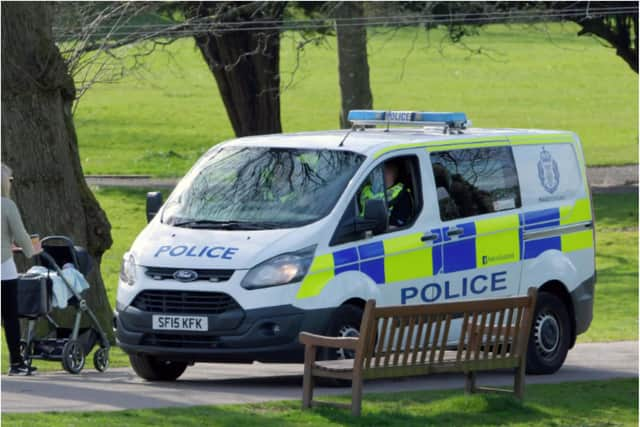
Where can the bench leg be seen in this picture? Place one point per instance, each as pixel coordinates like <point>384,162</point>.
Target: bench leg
<point>470,382</point>
<point>307,379</point>
<point>518,381</point>
<point>356,395</point>
<point>307,388</point>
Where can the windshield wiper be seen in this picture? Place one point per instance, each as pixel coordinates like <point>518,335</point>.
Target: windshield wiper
<point>228,225</point>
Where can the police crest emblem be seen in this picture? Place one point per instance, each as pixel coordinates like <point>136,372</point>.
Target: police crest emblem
<point>548,172</point>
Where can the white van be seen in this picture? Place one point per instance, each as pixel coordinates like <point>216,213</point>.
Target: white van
<point>271,235</point>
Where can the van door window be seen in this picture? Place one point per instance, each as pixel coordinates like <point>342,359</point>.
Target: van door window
<point>475,181</point>
<point>395,181</point>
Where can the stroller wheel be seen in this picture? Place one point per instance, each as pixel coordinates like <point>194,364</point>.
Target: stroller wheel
<point>73,357</point>
<point>101,359</point>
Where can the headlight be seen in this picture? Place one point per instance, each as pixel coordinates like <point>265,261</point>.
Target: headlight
<point>128,270</point>
<point>280,270</point>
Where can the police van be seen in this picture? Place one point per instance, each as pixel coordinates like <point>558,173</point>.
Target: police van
<point>271,235</point>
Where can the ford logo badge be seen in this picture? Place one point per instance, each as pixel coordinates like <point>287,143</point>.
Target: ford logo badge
<point>185,275</point>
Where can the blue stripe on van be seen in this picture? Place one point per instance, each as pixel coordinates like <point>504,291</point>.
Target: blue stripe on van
<point>468,227</point>
<point>348,267</point>
<point>345,256</point>
<point>460,254</point>
<point>533,248</point>
<point>374,269</point>
<point>371,250</point>
<point>541,219</point>
<point>521,235</point>
<point>436,253</point>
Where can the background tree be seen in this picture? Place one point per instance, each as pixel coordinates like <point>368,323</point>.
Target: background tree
<point>619,30</point>
<point>353,64</point>
<point>239,41</point>
<point>39,141</point>
<point>244,62</point>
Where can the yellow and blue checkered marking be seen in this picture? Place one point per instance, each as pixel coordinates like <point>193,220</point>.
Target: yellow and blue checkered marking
<point>404,258</point>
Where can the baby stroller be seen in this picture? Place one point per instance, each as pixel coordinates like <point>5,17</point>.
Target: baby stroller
<point>70,346</point>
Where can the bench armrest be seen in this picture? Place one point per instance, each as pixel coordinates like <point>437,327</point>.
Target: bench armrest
<point>349,343</point>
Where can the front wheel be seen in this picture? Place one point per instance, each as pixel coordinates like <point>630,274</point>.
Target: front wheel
<point>101,359</point>
<point>153,369</point>
<point>345,322</point>
<point>550,337</point>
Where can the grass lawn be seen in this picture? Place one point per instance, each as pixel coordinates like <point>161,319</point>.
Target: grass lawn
<point>607,403</point>
<point>159,120</point>
<point>616,306</point>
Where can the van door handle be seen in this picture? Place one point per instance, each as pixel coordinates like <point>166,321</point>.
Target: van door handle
<point>429,237</point>
<point>456,231</point>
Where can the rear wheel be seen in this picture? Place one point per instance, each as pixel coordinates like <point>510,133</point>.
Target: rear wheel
<point>153,369</point>
<point>73,356</point>
<point>550,337</point>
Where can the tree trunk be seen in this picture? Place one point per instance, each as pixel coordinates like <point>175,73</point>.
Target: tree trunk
<point>246,66</point>
<point>353,67</point>
<point>39,143</point>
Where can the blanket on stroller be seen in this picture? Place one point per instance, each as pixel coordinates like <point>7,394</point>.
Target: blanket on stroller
<point>60,292</point>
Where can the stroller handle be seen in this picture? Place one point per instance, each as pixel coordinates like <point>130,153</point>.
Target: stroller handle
<point>65,239</point>
<point>58,238</point>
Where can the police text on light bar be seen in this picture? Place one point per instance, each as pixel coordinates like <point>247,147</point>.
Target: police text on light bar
<point>374,117</point>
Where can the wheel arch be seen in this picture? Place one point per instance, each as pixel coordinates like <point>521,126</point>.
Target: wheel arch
<point>357,302</point>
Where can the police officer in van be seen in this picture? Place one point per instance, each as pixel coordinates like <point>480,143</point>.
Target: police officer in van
<point>398,196</point>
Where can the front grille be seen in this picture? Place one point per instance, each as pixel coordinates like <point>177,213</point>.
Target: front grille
<point>161,273</point>
<point>184,302</point>
<point>180,341</point>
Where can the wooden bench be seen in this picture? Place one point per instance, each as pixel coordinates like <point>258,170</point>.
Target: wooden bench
<point>393,343</point>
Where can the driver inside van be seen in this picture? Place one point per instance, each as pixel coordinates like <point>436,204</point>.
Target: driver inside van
<point>398,196</point>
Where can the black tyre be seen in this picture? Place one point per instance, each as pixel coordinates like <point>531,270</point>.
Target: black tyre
<point>101,359</point>
<point>550,337</point>
<point>73,356</point>
<point>153,369</point>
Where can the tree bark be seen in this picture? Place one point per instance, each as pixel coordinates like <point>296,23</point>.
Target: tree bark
<point>246,66</point>
<point>353,65</point>
<point>39,143</point>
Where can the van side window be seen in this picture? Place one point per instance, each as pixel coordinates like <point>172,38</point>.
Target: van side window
<point>475,181</point>
<point>397,182</point>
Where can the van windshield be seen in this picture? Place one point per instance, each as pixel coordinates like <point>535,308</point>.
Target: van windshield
<point>261,188</point>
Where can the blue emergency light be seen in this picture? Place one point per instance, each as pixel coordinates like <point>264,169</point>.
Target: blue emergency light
<point>415,118</point>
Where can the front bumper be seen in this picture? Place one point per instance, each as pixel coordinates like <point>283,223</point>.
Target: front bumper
<point>265,335</point>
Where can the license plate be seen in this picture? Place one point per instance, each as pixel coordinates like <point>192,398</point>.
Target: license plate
<point>180,323</point>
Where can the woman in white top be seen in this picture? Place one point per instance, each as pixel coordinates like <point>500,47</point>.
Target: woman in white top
<point>13,232</point>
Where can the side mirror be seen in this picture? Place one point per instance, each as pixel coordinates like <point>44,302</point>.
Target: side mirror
<point>375,217</point>
<point>154,203</point>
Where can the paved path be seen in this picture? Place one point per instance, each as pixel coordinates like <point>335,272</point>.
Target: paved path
<point>602,179</point>
<point>207,384</point>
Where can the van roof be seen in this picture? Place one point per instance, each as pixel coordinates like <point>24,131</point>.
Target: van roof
<point>374,141</point>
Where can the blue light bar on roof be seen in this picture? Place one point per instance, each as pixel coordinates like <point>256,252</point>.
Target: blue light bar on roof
<point>376,117</point>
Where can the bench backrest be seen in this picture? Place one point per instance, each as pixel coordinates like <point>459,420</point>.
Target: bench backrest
<point>416,339</point>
